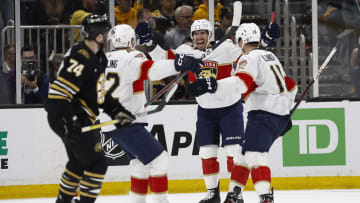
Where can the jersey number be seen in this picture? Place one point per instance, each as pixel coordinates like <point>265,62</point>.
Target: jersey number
<point>278,77</point>
<point>115,84</point>
<point>75,67</point>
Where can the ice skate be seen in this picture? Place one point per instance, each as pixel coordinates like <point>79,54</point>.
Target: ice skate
<point>235,196</point>
<point>267,198</point>
<point>213,196</point>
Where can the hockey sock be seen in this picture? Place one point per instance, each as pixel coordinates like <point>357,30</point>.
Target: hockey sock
<point>239,177</point>
<point>210,171</point>
<point>90,186</point>
<point>69,183</point>
<point>261,177</point>
<point>139,188</point>
<point>159,188</point>
<point>230,164</point>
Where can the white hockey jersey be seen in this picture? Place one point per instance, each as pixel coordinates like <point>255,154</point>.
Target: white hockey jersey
<point>218,64</point>
<point>125,75</point>
<point>268,87</point>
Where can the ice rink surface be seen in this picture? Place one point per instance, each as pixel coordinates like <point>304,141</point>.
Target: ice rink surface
<point>281,196</point>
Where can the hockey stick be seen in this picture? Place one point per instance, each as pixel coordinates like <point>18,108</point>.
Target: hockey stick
<point>235,24</point>
<point>273,7</point>
<point>323,66</point>
<point>160,107</point>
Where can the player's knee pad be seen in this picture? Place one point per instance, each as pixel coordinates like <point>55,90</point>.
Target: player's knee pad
<point>254,159</point>
<point>208,151</point>
<point>159,166</point>
<point>139,170</point>
<point>235,152</point>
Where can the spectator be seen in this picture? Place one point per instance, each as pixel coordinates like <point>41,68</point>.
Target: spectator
<point>203,11</point>
<point>69,7</point>
<point>88,7</point>
<point>176,36</point>
<point>125,13</point>
<point>9,58</point>
<point>54,10</point>
<point>333,21</point>
<point>35,84</point>
<point>165,16</point>
<point>151,5</point>
<point>7,14</point>
<point>8,65</point>
<point>145,15</point>
<point>351,13</point>
<point>226,15</point>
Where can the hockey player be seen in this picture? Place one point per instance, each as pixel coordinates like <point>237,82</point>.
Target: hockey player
<point>219,110</point>
<point>126,73</point>
<point>73,101</point>
<point>270,94</point>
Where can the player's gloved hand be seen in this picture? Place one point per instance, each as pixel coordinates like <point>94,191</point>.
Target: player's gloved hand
<point>67,125</point>
<point>187,63</point>
<point>270,35</point>
<point>121,114</point>
<point>287,128</point>
<point>144,34</point>
<point>202,86</point>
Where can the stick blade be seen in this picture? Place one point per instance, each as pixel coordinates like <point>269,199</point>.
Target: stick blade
<point>237,13</point>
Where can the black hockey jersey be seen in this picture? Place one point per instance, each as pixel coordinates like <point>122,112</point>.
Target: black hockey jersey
<point>80,84</point>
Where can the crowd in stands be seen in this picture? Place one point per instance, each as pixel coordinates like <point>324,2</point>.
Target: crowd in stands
<point>170,21</point>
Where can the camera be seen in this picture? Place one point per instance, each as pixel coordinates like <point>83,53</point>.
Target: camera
<point>30,69</point>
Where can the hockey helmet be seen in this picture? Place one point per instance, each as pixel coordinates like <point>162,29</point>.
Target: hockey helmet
<point>122,36</point>
<point>94,24</point>
<point>248,32</point>
<point>202,24</point>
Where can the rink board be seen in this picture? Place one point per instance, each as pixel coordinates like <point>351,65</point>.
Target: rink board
<point>320,152</point>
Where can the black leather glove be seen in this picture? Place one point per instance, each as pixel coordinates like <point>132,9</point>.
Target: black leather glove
<point>202,86</point>
<point>270,35</point>
<point>187,63</point>
<point>67,125</point>
<point>121,114</point>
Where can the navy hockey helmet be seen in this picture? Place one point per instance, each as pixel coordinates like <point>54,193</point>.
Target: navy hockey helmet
<point>94,24</point>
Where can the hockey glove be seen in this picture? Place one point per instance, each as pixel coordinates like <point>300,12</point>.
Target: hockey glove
<point>187,63</point>
<point>270,35</point>
<point>144,34</point>
<point>66,126</point>
<point>121,114</point>
<point>202,86</point>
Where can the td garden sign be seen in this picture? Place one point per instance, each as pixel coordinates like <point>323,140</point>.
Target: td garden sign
<point>316,139</point>
<point>3,151</point>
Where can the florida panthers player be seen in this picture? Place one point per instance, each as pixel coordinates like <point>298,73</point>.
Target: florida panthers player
<point>219,110</point>
<point>126,72</point>
<point>270,94</point>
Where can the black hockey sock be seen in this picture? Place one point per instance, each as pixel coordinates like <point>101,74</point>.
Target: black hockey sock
<point>68,185</point>
<point>90,186</point>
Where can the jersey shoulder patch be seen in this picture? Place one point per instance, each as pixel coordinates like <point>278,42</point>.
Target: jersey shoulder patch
<point>84,53</point>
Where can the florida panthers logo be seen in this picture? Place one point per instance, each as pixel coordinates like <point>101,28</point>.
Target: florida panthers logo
<point>210,69</point>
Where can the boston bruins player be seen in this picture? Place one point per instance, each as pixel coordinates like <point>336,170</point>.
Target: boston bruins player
<point>73,101</point>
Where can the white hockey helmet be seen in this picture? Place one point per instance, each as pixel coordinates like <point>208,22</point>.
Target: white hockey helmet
<point>122,36</point>
<point>201,24</point>
<point>248,32</point>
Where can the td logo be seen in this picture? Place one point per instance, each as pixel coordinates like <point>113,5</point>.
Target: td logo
<point>3,151</point>
<point>316,139</point>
